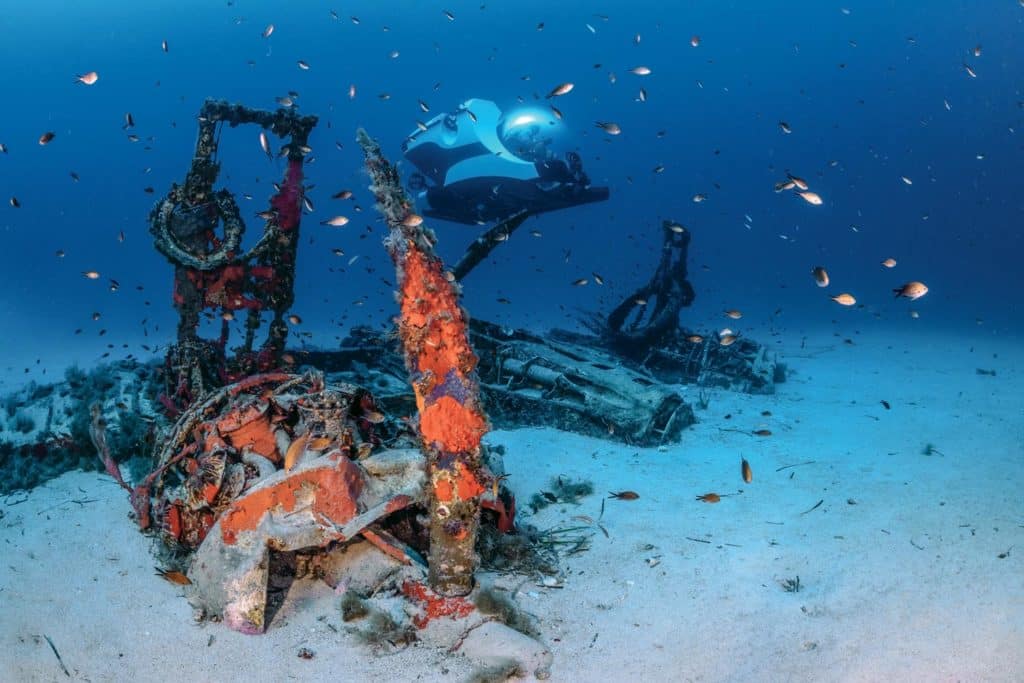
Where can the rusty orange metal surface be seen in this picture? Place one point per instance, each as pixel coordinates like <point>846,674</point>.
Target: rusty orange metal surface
<point>435,334</point>
<point>250,427</point>
<point>434,605</point>
<point>335,493</point>
<point>385,546</point>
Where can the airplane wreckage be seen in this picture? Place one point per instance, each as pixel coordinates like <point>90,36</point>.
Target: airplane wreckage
<point>266,461</point>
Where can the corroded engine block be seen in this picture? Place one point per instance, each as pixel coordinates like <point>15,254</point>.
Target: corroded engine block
<point>223,446</point>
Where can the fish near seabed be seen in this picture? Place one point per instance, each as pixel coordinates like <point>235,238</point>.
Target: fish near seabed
<point>911,290</point>
<point>295,451</point>
<point>173,576</point>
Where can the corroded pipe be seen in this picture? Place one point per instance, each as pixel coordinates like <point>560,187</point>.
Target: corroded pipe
<point>442,367</point>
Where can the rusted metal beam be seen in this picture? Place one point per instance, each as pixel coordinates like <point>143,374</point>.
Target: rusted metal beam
<point>442,367</point>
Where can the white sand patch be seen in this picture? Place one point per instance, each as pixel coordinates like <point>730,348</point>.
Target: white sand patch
<point>899,566</point>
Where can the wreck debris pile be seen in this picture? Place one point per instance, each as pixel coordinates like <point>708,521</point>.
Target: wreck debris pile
<point>273,466</point>
<point>643,331</point>
<point>275,463</point>
<point>576,388</point>
<point>744,365</point>
<point>242,433</point>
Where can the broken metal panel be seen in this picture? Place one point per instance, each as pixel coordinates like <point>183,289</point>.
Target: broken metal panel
<point>745,365</point>
<point>329,500</point>
<point>576,388</point>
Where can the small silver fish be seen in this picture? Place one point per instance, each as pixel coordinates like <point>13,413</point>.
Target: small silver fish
<point>560,90</point>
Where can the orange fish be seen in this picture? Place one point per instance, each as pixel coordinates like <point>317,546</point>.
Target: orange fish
<point>911,290</point>
<point>320,444</point>
<point>496,485</point>
<point>709,498</point>
<point>88,78</point>
<point>624,495</point>
<point>173,576</point>
<point>295,451</point>
<point>748,474</point>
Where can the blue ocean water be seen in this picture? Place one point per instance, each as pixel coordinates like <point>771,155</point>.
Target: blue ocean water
<point>871,91</point>
<point>904,117</point>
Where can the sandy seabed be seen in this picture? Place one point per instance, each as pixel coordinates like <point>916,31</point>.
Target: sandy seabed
<point>910,568</point>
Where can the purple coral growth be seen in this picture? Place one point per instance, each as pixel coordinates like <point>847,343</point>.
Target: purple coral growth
<point>453,386</point>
